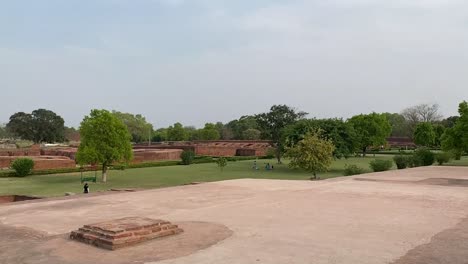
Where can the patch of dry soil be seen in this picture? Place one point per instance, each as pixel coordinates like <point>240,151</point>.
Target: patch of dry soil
<point>20,245</point>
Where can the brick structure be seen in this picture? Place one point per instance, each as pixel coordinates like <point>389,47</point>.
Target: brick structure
<point>34,150</point>
<point>220,148</point>
<point>65,152</point>
<point>124,232</point>
<point>149,155</point>
<point>401,142</point>
<point>41,162</point>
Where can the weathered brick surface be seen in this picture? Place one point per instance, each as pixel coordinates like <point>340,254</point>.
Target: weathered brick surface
<point>224,148</point>
<point>124,232</point>
<point>148,155</point>
<point>34,150</point>
<point>41,162</point>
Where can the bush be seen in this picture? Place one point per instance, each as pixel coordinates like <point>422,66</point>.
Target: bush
<point>457,154</point>
<point>353,170</point>
<point>222,162</point>
<point>402,162</point>
<point>443,157</point>
<point>413,161</point>
<point>424,156</point>
<point>22,167</point>
<point>381,165</point>
<point>187,157</point>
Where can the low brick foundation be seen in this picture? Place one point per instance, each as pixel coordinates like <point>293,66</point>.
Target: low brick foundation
<point>41,162</point>
<point>124,232</point>
<point>151,155</point>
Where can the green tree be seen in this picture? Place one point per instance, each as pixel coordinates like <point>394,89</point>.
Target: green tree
<point>372,130</point>
<point>251,134</point>
<point>439,130</point>
<point>139,129</point>
<point>4,133</point>
<point>341,133</point>
<point>237,127</point>
<point>424,134</point>
<point>400,127</point>
<point>455,139</point>
<point>449,121</point>
<point>160,135</point>
<point>313,154</point>
<point>209,132</point>
<point>40,126</point>
<point>177,133</point>
<point>272,124</point>
<point>104,140</point>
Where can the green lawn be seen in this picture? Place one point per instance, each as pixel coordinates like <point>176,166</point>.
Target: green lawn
<point>58,184</point>
<point>462,162</point>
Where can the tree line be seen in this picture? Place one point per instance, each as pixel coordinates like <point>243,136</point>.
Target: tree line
<point>282,124</point>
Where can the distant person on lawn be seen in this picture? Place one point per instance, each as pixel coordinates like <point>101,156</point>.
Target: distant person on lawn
<point>86,188</point>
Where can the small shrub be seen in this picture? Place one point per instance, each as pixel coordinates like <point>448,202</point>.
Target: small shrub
<point>353,170</point>
<point>457,154</point>
<point>413,161</point>
<point>22,167</point>
<point>222,162</point>
<point>402,162</point>
<point>187,157</point>
<point>425,157</point>
<point>443,157</point>
<point>381,165</point>
<point>119,167</point>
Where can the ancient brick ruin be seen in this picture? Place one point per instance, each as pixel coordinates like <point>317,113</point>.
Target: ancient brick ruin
<point>64,157</point>
<point>124,232</point>
<point>220,148</point>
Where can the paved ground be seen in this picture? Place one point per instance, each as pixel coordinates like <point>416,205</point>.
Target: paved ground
<point>413,216</point>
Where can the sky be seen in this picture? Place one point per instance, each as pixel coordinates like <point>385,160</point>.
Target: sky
<point>197,61</point>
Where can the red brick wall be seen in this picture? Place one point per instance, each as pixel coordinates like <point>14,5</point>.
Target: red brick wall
<point>41,162</point>
<point>144,155</point>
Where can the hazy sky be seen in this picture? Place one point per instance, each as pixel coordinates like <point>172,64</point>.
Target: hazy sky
<point>215,60</point>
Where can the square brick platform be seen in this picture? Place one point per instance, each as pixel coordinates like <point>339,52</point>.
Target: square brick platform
<point>124,232</point>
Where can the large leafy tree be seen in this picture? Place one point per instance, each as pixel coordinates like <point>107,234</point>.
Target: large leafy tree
<point>160,135</point>
<point>424,134</point>
<point>209,132</point>
<point>400,127</point>
<point>439,130</point>
<point>137,126</point>
<point>4,132</point>
<point>339,132</point>
<point>456,138</point>
<point>177,132</point>
<point>449,121</point>
<point>313,153</point>
<point>237,127</point>
<point>372,130</point>
<point>251,134</point>
<point>104,140</point>
<point>40,126</point>
<point>272,123</point>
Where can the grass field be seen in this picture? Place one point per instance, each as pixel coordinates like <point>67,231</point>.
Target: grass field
<point>58,184</point>
<point>462,162</point>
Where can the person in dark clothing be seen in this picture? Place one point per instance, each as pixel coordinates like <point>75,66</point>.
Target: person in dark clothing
<point>86,188</point>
